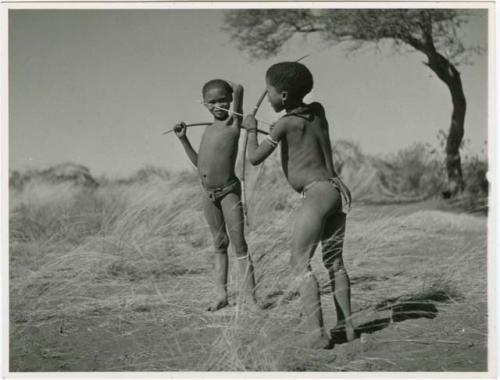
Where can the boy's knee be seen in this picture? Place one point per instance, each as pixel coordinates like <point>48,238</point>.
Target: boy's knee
<point>221,242</point>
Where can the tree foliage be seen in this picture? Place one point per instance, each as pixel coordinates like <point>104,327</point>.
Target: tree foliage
<point>433,32</point>
<point>263,32</point>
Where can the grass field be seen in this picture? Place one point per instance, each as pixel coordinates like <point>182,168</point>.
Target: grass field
<point>118,278</point>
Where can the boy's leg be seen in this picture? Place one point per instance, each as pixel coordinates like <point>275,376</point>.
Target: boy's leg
<point>233,215</point>
<point>332,242</point>
<point>215,219</point>
<point>306,236</point>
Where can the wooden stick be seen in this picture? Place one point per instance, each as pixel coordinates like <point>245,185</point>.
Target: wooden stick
<point>207,123</point>
<point>244,204</point>
<point>189,125</point>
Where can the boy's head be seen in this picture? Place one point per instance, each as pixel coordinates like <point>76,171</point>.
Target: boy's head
<point>217,97</point>
<point>287,82</point>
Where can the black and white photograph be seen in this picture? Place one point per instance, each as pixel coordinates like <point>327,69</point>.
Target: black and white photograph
<point>280,188</point>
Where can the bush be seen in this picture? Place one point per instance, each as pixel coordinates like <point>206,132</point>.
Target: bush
<point>146,174</point>
<point>475,195</point>
<point>474,171</point>
<point>417,170</point>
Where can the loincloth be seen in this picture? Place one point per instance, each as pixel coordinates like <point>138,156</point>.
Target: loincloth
<point>337,183</point>
<point>217,193</point>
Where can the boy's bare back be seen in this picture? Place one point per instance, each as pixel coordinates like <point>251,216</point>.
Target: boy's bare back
<point>304,136</point>
<point>308,165</point>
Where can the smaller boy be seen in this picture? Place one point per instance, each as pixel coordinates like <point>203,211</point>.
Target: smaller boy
<point>221,201</point>
<point>306,157</point>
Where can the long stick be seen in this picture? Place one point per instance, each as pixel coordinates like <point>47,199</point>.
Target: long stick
<point>245,142</point>
<point>189,125</point>
<point>207,123</point>
<point>243,164</point>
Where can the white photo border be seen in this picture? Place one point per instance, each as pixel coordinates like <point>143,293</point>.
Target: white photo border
<point>493,160</point>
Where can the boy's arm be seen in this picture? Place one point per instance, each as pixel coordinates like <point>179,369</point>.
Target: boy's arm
<point>258,153</point>
<point>180,131</point>
<point>191,153</point>
<point>237,101</point>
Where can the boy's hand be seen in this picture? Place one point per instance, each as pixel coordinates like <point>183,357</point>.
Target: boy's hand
<point>180,129</point>
<point>250,124</point>
<point>234,85</point>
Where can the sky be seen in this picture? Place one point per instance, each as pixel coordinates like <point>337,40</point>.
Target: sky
<point>98,87</point>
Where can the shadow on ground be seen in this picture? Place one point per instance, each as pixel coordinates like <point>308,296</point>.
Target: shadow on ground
<point>399,312</point>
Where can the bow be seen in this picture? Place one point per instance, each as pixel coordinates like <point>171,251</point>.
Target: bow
<point>243,165</point>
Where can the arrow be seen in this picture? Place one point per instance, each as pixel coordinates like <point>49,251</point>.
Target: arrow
<point>206,123</point>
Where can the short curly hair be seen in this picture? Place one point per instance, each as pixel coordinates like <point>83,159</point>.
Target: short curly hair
<point>220,83</point>
<point>293,77</point>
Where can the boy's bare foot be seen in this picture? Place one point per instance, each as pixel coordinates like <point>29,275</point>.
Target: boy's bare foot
<point>316,340</point>
<point>219,303</point>
<point>350,332</point>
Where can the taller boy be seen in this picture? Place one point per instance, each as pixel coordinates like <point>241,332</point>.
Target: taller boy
<point>306,157</point>
<point>222,190</point>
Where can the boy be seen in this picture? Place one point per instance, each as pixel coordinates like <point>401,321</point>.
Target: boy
<point>222,191</point>
<point>306,156</point>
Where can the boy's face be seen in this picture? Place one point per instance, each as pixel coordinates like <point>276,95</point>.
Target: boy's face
<point>275,97</point>
<point>216,98</point>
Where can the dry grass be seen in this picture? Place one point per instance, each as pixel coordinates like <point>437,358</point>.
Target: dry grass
<point>425,265</point>
<point>118,278</point>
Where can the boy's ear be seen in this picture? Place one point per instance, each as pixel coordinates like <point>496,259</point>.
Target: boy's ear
<point>284,96</point>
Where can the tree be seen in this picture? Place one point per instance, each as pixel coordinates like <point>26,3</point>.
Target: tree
<point>435,33</point>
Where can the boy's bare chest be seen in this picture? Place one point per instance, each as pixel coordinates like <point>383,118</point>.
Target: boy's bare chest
<point>219,138</point>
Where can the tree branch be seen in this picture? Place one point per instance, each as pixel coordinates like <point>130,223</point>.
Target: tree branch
<point>414,42</point>
<point>426,27</point>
